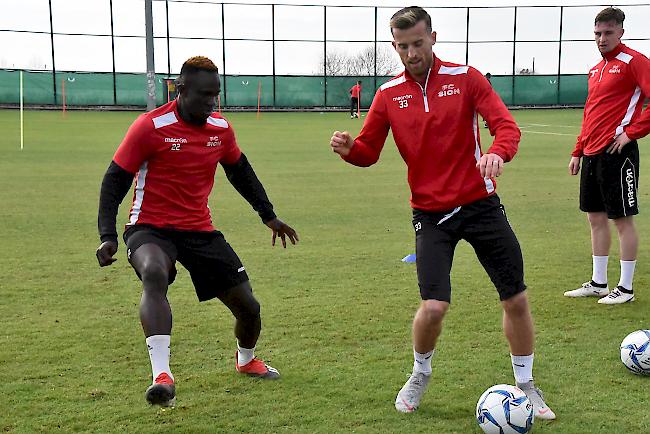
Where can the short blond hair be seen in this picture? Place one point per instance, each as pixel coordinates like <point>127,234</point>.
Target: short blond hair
<point>408,17</point>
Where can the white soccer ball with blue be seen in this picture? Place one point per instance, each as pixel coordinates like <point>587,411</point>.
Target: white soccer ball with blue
<point>504,409</point>
<point>635,352</point>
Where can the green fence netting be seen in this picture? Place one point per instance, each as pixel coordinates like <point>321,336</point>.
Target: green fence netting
<point>106,89</point>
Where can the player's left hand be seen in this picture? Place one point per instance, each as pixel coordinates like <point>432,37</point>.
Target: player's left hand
<point>282,230</point>
<point>490,165</point>
<point>618,143</point>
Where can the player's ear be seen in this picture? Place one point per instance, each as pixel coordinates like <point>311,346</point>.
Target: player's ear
<point>433,38</point>
<point>180,84</point>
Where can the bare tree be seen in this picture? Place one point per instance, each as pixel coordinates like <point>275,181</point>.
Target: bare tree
<point>361,63</point>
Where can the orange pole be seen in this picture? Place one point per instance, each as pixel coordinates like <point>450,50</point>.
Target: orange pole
<point>259,95</point>
<point>63,94</point>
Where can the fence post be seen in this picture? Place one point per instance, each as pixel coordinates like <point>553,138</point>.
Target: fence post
<point>273,42</point>
<point>223,53</point>
<point>110,4</point>
<point>514,55</point>
<point>169,61</point>
<point>324,56</point>
<point>559,58</point>
<point>151,68</point>
<point>467,39</point>
<point>52,44</point>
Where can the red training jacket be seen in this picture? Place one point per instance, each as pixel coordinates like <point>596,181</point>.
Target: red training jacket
<point>436,131</point>
<point>355,91</point>
<point>618,86</point>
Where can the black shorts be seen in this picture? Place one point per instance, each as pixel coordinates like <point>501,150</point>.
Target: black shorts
<point>609,182</point>
<point>483,224</point>
<point>213,265</point>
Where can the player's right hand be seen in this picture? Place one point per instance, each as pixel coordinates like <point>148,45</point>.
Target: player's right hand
<point>341,143</point>
<point>105,253</point>
<point>574,166</point>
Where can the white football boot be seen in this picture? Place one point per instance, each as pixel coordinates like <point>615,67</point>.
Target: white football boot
<point>619,295</point>
<point>409,396</point>
<point>542,411</point>
<point>589,289</point>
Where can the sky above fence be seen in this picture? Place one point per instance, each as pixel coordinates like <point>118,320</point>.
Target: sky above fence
<point>82,30</point>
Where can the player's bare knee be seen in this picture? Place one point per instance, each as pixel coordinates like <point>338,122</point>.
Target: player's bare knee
<point>624,224</point>
<point>251,310</point>
<point>597,219</point>
<point>516,305</point>
<point>154,273</point>
<point>434,310</point>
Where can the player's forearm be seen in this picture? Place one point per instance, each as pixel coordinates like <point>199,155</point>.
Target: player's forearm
<point>506,141</point>
<point>242,176</point>
<point>115,186</point>
<point>361,155</point>
<point>641,127</point>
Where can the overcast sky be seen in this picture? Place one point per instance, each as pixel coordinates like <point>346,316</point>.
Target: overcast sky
<point>195,28</point>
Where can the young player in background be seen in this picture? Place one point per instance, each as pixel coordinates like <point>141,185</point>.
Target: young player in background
<point>607,144</point>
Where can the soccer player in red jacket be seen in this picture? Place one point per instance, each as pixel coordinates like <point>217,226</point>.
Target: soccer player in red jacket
<point>173,152</point>
<point>613,121</point>
<point>432,109</point>
<point>355,94</point>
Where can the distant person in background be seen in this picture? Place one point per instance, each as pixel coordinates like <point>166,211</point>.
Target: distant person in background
<point>613,121</point>
<point>355,95</point>
<point>488,77</point>
<point>431,110</point>
<point>173,152</point>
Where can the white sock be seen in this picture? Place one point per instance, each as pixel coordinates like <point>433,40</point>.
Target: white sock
<point>244,355</point>
<point>627,274</point>
<point>158,346</point>
<point>522,367</point>
<point>599,274</point>
<point>422,363</point>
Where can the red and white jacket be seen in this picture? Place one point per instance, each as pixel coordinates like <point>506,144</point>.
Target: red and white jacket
<point>436,131</point>
<point>618,86</point>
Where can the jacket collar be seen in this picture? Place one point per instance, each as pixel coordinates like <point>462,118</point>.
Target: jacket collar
<point>435,65</point>
<point>615,52</point>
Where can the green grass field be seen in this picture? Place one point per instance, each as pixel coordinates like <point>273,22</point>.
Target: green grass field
<point>336,309</point>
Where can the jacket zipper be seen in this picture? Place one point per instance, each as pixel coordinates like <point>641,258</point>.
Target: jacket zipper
<point>424,92</point>
<point>602,70</point>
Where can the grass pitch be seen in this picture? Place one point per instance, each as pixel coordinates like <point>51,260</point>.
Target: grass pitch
<point>336,309</point>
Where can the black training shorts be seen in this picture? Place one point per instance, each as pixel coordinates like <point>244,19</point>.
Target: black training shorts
<point>213,265</point>
<point>483,224</point>
<point>609,182</point>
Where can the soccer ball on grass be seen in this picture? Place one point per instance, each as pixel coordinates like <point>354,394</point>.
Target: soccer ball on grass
<point>635,352</point>
<point>504,409</point>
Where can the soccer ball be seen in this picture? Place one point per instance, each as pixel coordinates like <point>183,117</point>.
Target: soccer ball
<point>504,409</point>
<point>635,352</point>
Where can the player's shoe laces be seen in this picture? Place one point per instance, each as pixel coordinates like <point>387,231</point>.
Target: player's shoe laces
<point>257,368</point>
<point>589,289</point>
<point>542,411</point>
<point>618,296</point>
<point>409,396</point>
<point>162,392</point>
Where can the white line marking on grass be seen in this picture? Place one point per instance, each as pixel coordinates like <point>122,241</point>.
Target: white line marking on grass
<point>547,125</point>
<point>545,132</point>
